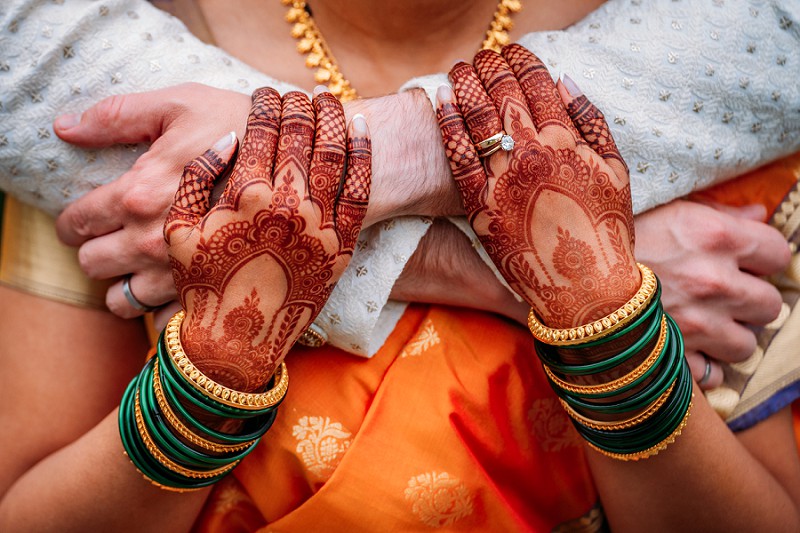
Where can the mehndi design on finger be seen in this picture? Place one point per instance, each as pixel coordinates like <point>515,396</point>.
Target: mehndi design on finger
<point>256,155</point>
<point>465,165</point>
<point>593,126</point>
<point>194,193</point>
<point>537,84</point>
<point>351,206</point>
<point>480,115</point>
<point>328,160</point>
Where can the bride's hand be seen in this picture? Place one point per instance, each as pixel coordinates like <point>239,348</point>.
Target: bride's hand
<point>255,269</point>
<point>554,213</point>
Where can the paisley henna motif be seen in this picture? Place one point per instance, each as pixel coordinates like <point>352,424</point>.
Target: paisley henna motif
<point>553,215</point>
<point>254,270</point>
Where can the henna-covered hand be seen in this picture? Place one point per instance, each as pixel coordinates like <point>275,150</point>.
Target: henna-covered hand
<point>256,268</point>
<point>554,213</point>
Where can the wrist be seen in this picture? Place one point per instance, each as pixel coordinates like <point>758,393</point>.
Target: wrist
<point>410,173</point>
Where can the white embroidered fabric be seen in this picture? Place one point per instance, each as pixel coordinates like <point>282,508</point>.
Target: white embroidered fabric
<point>695,92</point>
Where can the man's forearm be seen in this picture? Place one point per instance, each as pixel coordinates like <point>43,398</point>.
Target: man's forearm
<point>410,173</point>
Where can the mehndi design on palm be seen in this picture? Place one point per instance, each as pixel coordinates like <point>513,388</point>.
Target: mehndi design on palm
<point>256,268</point>
<point>554,213</point>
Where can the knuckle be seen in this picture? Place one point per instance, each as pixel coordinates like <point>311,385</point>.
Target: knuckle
<point>152,246</point>
<point>714,233</point>
<point>76,220</point>
<point>138,202</point>
<point>690,324</point>
<point>708,285</point>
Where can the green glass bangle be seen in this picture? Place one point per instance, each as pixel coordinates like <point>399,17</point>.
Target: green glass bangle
<point>138,455</point>
<point>646,396</point>
<point>199,399</point>
<point>630,386</point>
<point>611,362</point>
<point>169,444</point>
<point>261,423</point>
<point>664,418</point>
<point>194,396</point>
<point>644,438</point>
<point>165,441</point>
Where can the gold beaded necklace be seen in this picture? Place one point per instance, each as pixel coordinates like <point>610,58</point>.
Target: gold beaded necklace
<point>319,56</point>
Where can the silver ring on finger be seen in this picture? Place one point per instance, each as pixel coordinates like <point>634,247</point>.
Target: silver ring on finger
<point>135,303</point>
<point>706,372</point>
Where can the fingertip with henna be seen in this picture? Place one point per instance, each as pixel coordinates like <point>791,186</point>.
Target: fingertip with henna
<point>444,94</point>
<point>225,144</point>
<point>571,86</point>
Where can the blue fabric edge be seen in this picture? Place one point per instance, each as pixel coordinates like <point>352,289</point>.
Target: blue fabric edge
<point>767,408</point>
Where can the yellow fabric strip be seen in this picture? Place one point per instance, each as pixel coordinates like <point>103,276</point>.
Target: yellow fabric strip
<point>32,259</point>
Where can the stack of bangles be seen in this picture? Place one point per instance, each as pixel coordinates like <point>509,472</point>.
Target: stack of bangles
<point>622,379</point>
<point>166,442</point>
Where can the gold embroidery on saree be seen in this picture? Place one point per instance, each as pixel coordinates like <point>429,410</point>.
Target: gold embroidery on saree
<point>438,499</point>
<point>426,339</point>
<point>321,444</point>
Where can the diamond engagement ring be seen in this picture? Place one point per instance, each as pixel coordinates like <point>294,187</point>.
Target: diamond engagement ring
<point>498,141</point>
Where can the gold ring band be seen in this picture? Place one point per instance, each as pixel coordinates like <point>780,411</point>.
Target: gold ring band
<point>498,141</point>
<point>489,142</point>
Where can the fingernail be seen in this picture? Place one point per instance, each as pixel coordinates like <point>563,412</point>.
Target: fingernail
<point>444,94</point>
<point>571,86</point>
<point>319,89</point>
<point>457,61</point>
<point>359,124</point>
<point>65,122</point>
<point>224,142</point>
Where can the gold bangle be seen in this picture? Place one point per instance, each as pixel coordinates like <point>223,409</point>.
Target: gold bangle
<point>165,461</point>
<point>653,450</point>
<point>156,483</point>
<point>602,327</point>
<point>212,389</point>
<point>620,382</point>
<point>313,337</point>
<point>619,424</point>
<point>183,429</point>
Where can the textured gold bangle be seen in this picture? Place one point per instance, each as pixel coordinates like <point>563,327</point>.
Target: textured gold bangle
<point>212,389</point>
<point>619,424</point>
<point>602,327</point>
<point>165,461</point>
<point>620,382</point>
<point>156,483</point>
<point>313,337</point>
<point>653,450</point>
<point>183,429</point>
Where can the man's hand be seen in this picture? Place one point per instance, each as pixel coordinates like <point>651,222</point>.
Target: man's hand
<point>119,225</point>
<point>710,262</point>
